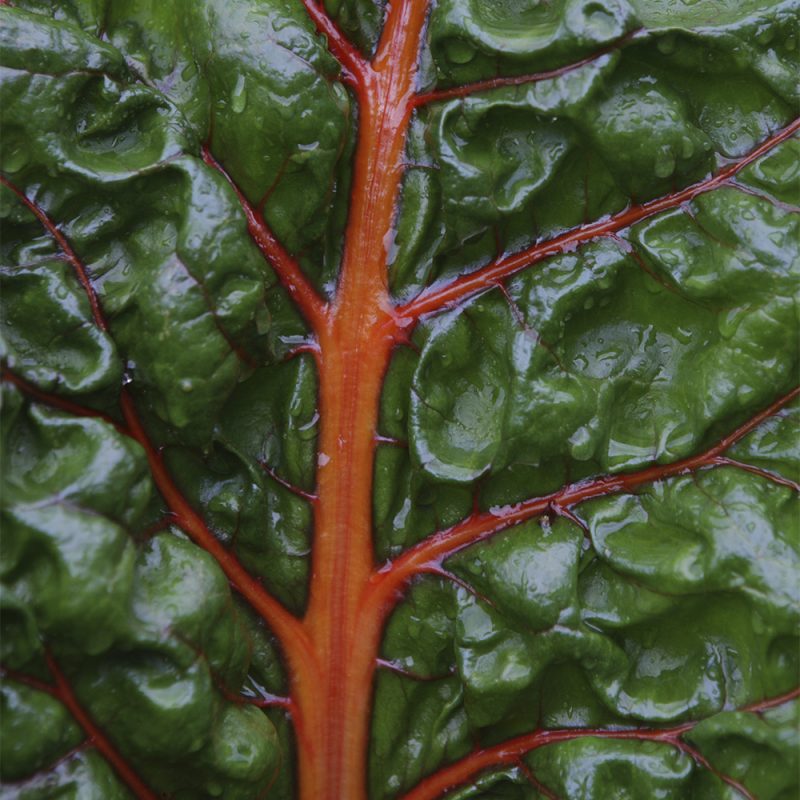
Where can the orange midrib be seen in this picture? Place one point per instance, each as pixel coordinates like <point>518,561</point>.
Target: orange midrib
<point>355,346</point>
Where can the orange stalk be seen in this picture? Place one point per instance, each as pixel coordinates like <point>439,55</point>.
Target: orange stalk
<point>355,347</point>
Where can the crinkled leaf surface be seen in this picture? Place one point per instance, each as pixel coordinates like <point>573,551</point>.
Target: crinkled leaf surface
<point>399,399</point>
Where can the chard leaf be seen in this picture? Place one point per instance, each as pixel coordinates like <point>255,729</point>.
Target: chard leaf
<point>399,400</point>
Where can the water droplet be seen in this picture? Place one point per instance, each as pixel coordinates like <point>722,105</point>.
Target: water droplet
<point>15,158</point>
<point>581,444</point>
<point>239,95</point>
<point>189,71</point>
<point>728,321</point>
<point>666,44</point>
<point>683,335</point>
<point>664,164</point>
<point>459,51</point>
<point>745,394</point>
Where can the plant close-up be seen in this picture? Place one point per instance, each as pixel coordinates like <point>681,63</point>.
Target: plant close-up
<point>400,399</point>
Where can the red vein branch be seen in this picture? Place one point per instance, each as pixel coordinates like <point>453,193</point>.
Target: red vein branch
<point>510,751</point>
<point>355,68</point>
<point>286,626</point>
<point>286,267</point>
<point>290,487</point>
<point>56,401</point>
<point>762,473</point>
<point>438,95</point>
<point>438,297</point>
<point>96,736</point>
<point>61,240</point>
<point>481,525</point>
<point>28,680</point>
<point>703,762</point>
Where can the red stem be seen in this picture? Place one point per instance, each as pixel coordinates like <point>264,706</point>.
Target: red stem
<point>286,626</point>
<point>468,89</point>
<point>56,401</point>
<point>66,248</point>
<point>436,298</point>
<point>286,267</point>
<point>762,473</point>
<point>510,751</point>
<point>355,68</point>
<point>96,736</point>
<point>478,526</point>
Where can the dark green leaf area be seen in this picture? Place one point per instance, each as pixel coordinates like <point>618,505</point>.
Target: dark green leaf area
<point>361,21</point>
<point>63,478</point>
<point>86,14</point>
<point>408,506</point>
<point>497,170</point>
<point>36,730</point>
<point>517,615</point>
<point>84,775</point>
<point>272,419</point>
<point>760,751</point>
<point>777,174</point>
<point>428,726</point>
<point>474,40</point>
<point>258,85</point>
<point>268,425</point>
<point>191,302</point>
<point>677,335</point>
<point>501,784</point>
<point>49,337</point>
<point>145,628</point>
<point>421,722</point>
<point>589,768</point>
<point>673,539</point>
<point>676,603</point>
<point>771,446</point>
<point>265,525</point>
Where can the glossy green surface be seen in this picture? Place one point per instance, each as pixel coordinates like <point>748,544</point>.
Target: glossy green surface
<point>678,602</point>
